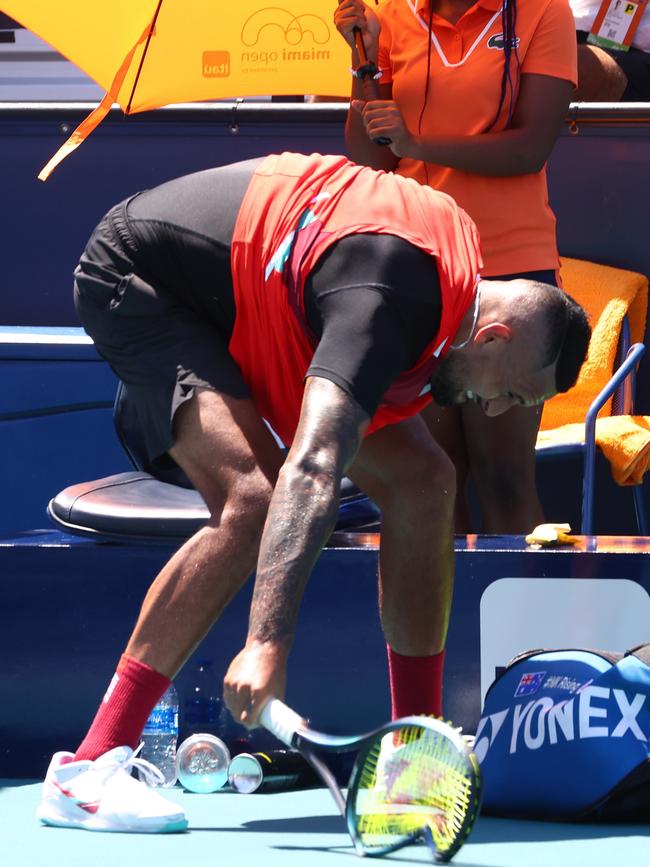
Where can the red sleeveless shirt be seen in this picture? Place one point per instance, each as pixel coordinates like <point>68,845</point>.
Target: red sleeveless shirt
<point>295,207</point>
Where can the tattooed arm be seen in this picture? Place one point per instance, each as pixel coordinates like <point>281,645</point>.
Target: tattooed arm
<point>302,514</point>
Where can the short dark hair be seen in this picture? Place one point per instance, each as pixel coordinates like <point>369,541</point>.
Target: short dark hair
<point>567,336</point>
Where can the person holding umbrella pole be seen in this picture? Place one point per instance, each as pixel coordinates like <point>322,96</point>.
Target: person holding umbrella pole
<point>367,73</point>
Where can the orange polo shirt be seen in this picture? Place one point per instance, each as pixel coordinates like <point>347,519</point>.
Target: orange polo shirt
<point>515,221</point>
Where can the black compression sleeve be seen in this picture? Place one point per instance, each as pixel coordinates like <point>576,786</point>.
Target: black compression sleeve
<point>374,302</point>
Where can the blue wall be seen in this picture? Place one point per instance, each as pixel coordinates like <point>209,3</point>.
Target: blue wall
<point>69,605</point>
<point>56,422</point>
<point>44,226</point>
<point>599,183</point>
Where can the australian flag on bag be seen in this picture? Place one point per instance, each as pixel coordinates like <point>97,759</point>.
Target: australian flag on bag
<point>565,734</point>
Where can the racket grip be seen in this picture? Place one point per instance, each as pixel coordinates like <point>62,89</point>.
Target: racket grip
<point>280,720</point>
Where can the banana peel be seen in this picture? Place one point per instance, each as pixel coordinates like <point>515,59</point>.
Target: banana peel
<point>551,535</point>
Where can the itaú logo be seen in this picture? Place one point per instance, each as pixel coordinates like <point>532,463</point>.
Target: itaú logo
<point>216,64</point>
<point>596,712</point>
<point>272,20</point>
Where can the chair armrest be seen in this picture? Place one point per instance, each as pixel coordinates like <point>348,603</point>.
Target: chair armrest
<point>626,369</point>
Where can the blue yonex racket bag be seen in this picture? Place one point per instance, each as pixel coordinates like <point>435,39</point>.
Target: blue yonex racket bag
<point>565,735</point>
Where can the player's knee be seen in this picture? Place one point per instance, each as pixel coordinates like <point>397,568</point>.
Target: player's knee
<point>428,485</point>
<point>441,491</point>
<point>253,495</point>
<point>245,507</point>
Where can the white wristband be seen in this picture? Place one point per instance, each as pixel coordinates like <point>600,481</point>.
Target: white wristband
<point>355,74</point>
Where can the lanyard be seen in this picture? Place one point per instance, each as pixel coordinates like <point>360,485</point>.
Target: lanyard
<point>434,38</point>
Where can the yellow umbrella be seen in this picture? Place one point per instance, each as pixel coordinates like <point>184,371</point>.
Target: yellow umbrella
<point>150,53</point>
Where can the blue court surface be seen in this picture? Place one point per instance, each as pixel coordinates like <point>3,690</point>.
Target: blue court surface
<point>295,829</point>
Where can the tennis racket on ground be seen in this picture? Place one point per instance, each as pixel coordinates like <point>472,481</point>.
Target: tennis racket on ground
<point>413,779</point>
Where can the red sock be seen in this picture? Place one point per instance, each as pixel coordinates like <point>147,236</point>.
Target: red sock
<point>131,696</point>
<point>415,684</point>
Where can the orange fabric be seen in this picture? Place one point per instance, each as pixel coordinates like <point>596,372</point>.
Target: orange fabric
<point>97,115</point>
<point>607,294</point>
<point>295,208</point>
<point>623,439</point>
<point>515,222</point>
<point>625,442</point>
<point>80,134</point>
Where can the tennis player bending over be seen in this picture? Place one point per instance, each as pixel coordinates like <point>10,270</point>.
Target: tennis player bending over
<point>334,301</point>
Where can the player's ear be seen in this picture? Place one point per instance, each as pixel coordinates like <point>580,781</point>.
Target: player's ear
<point>493,331</point>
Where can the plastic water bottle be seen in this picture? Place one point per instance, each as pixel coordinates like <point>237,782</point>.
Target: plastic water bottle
<point>202,763</point>
<point>202,707</point>
<point>160,736</point>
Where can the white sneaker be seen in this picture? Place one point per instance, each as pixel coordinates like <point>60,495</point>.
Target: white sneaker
<point>103,796</point>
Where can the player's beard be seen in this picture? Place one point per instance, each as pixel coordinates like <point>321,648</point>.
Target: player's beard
<point>449,382</point>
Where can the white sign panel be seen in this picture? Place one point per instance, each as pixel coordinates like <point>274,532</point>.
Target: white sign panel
<point>519,614</point>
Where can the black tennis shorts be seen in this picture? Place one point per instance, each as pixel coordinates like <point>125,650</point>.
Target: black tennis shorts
<point>159,346</point>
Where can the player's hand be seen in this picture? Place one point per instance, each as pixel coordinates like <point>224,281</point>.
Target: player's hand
<point>354,13</point>
<point>382,118</point>
<point>256,674</point>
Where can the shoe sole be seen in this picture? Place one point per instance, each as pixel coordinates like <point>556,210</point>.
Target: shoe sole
<point>57,821</point>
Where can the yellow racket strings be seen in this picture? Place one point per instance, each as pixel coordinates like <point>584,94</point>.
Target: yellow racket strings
<point>413,778</point>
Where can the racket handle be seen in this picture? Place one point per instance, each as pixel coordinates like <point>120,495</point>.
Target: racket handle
<point>280,720</point>
<point>366,72</point>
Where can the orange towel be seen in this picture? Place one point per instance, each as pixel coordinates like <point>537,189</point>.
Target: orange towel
<point>623,439</point>
<point>607,294</point>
